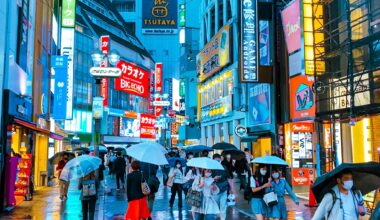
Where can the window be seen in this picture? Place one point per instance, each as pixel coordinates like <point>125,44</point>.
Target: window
<point>221,15</point>
<point>131,26</point>
<point>128,6</point>
<point>212,27</point>
<point>229,11</point>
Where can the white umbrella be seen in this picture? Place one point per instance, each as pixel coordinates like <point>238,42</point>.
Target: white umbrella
<point>148,152</point>
<point>80,167</point>
<point>205,163</point>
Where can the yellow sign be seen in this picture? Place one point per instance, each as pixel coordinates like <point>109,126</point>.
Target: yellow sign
<point>215,54</point>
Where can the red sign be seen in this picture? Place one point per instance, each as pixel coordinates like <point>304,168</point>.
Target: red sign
<point>302,98</point>
<point>302,127</point>
<point>158,109</point>
<point>105,44</point>
<point>147,126</point>
<point>158,78</point>
<point>104,91</point>
<point>133,80</point>
<point>151,95</point>
<point>301,176</point>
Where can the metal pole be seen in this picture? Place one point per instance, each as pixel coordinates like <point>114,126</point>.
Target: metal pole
<point>97,121</point>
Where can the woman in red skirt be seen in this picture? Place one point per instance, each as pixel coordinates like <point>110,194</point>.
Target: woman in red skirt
<point>137,202</point>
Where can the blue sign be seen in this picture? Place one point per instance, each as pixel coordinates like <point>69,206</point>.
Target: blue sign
<point>264,44</point>
<point>159,16</point>
<point>19,107</point>
<point>59,64</point>
<point>259,106</point>
<point>249,43</point>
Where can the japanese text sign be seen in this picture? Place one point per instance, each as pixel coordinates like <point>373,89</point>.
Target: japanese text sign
<point>158,78</point>
<point>68,13</point>
<point>133,80</point>
<point>147,126</point>
<point>105,44</point>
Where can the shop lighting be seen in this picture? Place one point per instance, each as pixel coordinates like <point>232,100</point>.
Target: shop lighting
<point>114,58</point>
<point>96,58</point>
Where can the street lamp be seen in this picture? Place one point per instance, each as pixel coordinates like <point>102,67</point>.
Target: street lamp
<point>102,60</point>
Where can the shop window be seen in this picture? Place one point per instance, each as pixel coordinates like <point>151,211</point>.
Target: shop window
<point>375,12</point>
<point>376,52</point>
<point>359,21</point>
<point>230,86</point>
<point>221,138</point>
<point>231,139</point>
<point>361,57</point>
<point>376,85</point>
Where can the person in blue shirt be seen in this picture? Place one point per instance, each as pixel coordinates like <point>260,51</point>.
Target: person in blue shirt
<point>278,187</point>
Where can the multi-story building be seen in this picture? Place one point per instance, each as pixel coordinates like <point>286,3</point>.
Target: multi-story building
<point>161,36</point>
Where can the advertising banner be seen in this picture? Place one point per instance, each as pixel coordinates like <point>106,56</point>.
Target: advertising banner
<point>158,78</point>
<point>302,127</point>
<point>302,99</point>
<point>130,125</point>
<point>97,107</point>
<point>68,13</point>
<point>104,91</point>
<point>300,177</point>
<point>175,95</point>
<point>249,44</point>
<point>214,55</point>
<point>151,92</point>
<point>259,106</point>
<point>296,64</point>
<point>292,26</point>
<point>265,56</point>
<point>159,17</point>
<point>22,38</point>
<point>67,49</point>
<point>147,126</point>
<point>219,109</point>
<point>105,44</point>
<point>133,79</point>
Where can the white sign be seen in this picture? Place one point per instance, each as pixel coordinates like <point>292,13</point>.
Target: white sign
<point>67,45</point>
<point>240,130</point>
<point>105,72</point>
<point>175,95</point>
<point>161,103</point>
<point>97,107</point>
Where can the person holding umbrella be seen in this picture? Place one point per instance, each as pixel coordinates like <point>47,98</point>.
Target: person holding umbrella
<point>89,186</point>
<point>64,185</point>
<point>341,202</point>
<point>176,177</point>
<point>258,184</point>
<point>279,186</point>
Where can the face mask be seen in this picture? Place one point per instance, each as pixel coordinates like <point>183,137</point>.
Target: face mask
<point>263,172</point>
<point>275,175</point>
<point>228,157</point>
<point>178,165</point>
<point>207,174</point>
<point>348,184</point>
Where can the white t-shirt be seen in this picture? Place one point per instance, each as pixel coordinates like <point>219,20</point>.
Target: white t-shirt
<point>253,182</point>
<point>348,206</point>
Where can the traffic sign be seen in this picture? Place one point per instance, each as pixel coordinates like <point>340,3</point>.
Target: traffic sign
<point>105,72</point>
<point>161,103</point>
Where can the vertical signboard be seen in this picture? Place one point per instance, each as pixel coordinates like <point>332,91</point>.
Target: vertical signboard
<point>147,126</point>
<point>302,99</point>
<point>182,15</point>
<point>259,106</point>
<point>68,13</point>
<point>265,55</point>
<point>104,91</point>
<point>105,44</point>
<point>249,45</point>
<point>59,65</point>
<point>67,49</point>
<point>97,107</point>
<point>175,95</point>
<point>159,16</point>
<point>291,23</point>
<point>22,38</point>
<point>158,87</point>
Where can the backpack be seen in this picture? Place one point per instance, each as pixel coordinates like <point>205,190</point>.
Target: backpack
<point>89,188</point>
<point>333,194</point>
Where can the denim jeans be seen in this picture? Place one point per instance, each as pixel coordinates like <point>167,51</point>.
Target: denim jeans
<point>199,216</point>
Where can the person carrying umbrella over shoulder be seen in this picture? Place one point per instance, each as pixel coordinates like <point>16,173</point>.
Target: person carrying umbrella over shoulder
<point>64,185</point>
<point>341,202</point>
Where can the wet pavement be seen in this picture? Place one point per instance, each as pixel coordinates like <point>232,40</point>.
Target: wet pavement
<point>47,205</point>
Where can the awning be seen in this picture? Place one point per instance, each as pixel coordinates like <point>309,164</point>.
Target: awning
<point>56,136</point>
<point>120,140</point>
<point>249,139</point>
<point>31,126</point>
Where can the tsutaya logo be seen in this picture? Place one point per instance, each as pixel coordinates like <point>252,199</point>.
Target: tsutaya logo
<point>160,10</point>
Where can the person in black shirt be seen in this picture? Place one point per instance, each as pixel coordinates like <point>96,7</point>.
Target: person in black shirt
<point>119,165</point>
<point>149,173</point>
<point>242,170</point>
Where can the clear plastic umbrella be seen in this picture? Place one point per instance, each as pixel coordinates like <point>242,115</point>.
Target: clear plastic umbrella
<point>149,152</point>
<point>80,167</point>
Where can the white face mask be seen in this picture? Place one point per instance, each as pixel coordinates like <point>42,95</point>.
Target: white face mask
<point>228,157</point>
<point>207,174</point>
<point>178,165</point>
<point>275,175</point>
<point>348,184</point>
<point>263,172</point>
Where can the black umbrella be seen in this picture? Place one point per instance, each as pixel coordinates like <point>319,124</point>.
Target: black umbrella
<point>366,178</point>
<point>58,156</point>
<point>236,154</point>
<point>120,149</point>
<point>223,146</point>
<point>83,149</point>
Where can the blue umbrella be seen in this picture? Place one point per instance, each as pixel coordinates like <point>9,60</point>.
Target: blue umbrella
<point>270,160</point>
<point>197,148</point>
<point>172,161</point>
<point>102,148</point>
<point>80,167</point>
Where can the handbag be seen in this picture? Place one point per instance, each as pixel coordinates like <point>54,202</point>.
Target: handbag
<point>270,199</point>
<point>187,185</point>
<point>89,188</point>
<point>194,198</point>
<point>144,186</point>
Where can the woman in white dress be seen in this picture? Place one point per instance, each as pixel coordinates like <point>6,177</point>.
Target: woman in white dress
<point>209,208</point>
